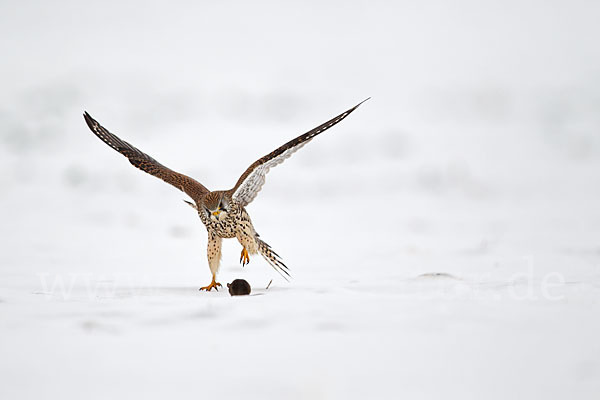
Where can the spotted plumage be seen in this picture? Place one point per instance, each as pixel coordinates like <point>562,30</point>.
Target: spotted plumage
<point>223,211</point>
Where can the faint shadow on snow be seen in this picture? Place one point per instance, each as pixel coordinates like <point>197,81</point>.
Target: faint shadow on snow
<point>437,276</point>
<point>434,285</point>
<point>168,318</point>
<point>98,327</point>
<point>425,284</point>
<point>330,326</point>
<point>158,291</point>
<point>482,248</point>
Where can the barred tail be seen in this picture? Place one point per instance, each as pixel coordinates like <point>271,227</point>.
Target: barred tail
<point>273,259</point>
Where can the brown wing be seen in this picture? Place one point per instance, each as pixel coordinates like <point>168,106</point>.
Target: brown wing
<point>252,180</point>
<point>143,161</point>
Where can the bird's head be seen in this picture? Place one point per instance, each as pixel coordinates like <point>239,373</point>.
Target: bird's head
<point>215,206</point>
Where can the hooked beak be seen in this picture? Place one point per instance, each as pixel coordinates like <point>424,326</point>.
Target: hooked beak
<point>216,213</point>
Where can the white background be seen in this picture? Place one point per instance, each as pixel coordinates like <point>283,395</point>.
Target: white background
<point>444,238</point>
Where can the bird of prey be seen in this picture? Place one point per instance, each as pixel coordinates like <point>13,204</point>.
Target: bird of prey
<point>223,212</point>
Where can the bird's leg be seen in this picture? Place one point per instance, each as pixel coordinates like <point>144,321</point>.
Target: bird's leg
<point>214,284</point>
<point>214,257</point>
<point>244,258</point>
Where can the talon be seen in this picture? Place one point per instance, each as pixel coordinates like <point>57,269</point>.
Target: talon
<point>212,285</point>
<point>244,257</point>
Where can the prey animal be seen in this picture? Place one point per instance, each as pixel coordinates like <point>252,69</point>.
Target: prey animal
<point>223,212</point>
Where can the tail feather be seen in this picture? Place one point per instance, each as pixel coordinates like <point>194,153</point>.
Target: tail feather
<point>273,259</point>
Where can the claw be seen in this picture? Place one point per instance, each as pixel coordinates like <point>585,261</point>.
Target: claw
<point>212,285</point>
<point>244,257</point>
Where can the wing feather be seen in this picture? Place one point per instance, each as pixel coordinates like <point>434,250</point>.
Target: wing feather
<point>143,161</point>
<point>253,179</point>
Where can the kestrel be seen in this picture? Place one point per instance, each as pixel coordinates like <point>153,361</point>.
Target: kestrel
<point>223,212</point>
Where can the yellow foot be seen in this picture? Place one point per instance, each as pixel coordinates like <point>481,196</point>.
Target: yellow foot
<point>244,258</point>
<point>212,285</point>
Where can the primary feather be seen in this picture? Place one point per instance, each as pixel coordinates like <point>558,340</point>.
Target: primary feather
<point>253,179</point>
<point>143,161</point>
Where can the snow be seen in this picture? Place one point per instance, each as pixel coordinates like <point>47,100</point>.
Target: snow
<point>443,239</point>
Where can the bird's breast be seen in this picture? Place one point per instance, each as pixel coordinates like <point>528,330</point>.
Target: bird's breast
<point>224,227</point>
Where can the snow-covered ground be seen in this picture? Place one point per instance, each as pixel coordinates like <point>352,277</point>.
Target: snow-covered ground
<point>444,239</point>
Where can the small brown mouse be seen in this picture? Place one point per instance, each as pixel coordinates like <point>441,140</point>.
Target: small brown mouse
<point>239,287</point>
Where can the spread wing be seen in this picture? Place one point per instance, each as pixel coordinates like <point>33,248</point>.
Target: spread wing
<point>143,161</point>
<point>253,179</point>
